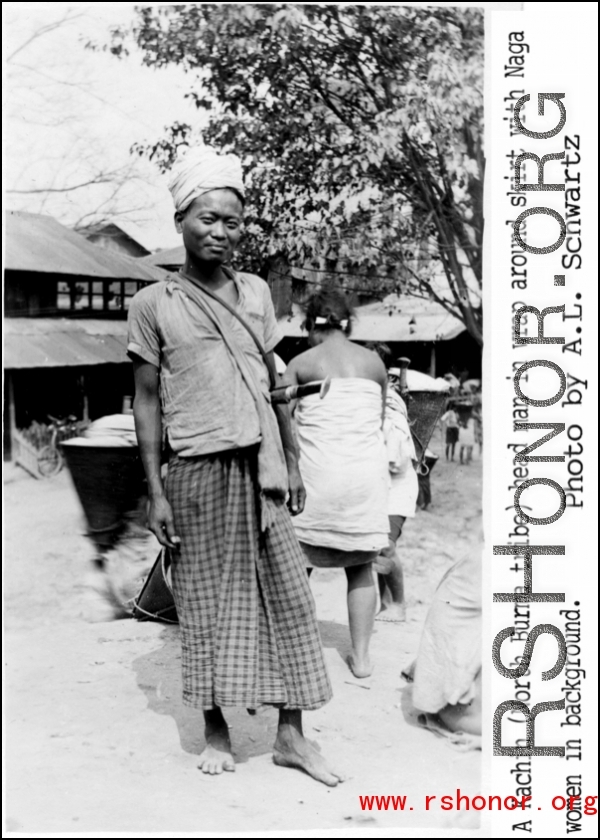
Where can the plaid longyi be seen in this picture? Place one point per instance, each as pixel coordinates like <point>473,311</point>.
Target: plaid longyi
<point>248,625</point>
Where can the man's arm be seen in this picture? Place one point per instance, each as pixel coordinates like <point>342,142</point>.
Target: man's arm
<point>284,421</point>
<point>148,428</point>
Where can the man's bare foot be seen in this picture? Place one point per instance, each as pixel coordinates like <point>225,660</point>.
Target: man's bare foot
<point>216,756</point>
<point>392,612</point>
<point>292,749</point>
<point>360,667</point>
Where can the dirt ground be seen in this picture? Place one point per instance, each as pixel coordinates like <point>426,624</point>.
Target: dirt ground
<point>98,739</point>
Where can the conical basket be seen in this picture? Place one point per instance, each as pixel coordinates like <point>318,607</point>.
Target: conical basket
<point>155,601</point>
<point>424,411</point>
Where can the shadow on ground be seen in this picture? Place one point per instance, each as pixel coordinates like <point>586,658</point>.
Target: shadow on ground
<point>337,636</point>
<point>158,675</point>
<point>409,713</point>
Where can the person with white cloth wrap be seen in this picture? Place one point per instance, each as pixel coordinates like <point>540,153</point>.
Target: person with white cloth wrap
<point>343,461</point>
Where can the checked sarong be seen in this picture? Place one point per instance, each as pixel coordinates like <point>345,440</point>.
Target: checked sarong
<point>248,627</point>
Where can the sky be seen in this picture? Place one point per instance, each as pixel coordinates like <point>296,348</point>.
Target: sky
<point>71,115</point>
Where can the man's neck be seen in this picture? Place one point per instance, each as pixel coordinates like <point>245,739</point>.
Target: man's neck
<point>211,275</point>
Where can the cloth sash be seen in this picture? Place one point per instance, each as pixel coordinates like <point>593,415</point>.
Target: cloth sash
<point>272,469</point>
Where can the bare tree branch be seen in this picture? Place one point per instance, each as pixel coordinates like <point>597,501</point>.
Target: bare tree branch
<point>43,30</point>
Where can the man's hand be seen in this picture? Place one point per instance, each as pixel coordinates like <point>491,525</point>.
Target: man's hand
<point>160,522</point>
<point>297,492</point>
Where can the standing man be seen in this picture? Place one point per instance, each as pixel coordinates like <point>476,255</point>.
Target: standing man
<point>248,627</point>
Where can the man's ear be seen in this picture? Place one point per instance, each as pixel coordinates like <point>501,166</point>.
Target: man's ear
<point>178,217</point>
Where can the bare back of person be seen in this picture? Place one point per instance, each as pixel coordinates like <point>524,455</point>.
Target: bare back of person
<point>334,355</point>
<point>338,358</point>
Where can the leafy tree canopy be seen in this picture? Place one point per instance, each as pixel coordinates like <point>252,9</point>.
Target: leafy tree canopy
<point>360,131</point>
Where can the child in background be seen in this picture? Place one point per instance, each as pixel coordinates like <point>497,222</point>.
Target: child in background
<point>450,423</point>
<point>467,438</point>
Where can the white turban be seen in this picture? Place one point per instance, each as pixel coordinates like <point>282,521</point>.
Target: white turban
<point>202,170</point>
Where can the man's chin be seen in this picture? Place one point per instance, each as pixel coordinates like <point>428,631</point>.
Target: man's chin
<point>210,260</point>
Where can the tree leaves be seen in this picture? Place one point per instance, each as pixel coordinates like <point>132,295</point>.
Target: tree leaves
<point>359,128</point>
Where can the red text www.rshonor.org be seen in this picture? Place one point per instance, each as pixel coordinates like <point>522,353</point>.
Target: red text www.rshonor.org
<point>461,802</point>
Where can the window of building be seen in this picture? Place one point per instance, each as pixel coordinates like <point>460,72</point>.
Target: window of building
<point>97,295</point>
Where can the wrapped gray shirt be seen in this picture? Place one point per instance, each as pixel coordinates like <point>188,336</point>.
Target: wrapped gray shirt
<point>206,406</point>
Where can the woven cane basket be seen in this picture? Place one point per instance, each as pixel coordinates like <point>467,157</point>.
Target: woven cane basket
<point>424,411</point>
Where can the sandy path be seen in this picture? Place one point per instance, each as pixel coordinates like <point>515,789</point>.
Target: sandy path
<point>98,739</point>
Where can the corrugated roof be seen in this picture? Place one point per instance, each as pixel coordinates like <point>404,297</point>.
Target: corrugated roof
<point>170,256</point>
<point>392,319</point>
<point>41,244</point>
<point>62,342</point>
<point>139,235</point>
<point>109,233</point>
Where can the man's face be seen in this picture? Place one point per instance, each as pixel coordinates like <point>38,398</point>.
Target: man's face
<point>211,226</point>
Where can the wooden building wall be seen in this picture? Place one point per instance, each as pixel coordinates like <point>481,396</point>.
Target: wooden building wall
<point>84,392</point>
<point>30,294</point>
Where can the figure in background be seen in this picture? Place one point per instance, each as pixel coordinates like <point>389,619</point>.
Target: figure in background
<point>478,429</point>
<point>453,382</point>
<point>467,438</point>
<point>447,672</point>
<point>478,418</point>
<point>449,422</point>
<point>343,461</point>
<point>402,498</point>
